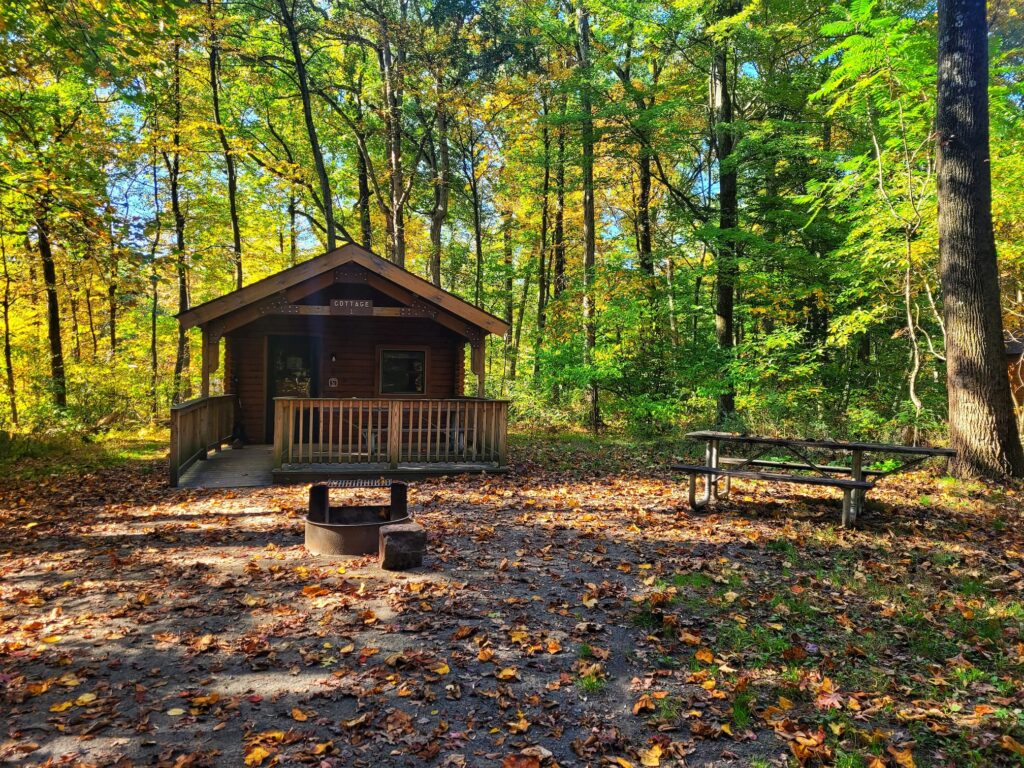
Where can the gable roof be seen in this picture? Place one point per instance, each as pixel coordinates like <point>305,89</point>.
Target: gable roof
<point>350,253</point>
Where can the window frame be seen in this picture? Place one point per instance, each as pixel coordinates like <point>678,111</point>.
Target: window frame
<point>382,348</point>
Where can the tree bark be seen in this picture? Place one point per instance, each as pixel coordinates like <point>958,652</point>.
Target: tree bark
<point>589,212</point>
<point>307,113</point>
<point>154,306</point>
<point>558,236</point>
<point>229,159</point>
<point>8,360</point>
<point>728,220</point>
<point>982,426</point>
<point>76,350</point>
<point>293,232</point>
<point>112,314</point>
<point>363,204</point>
<point>182,389</point>
<point>442,171</point>
<point>643,210</point>
<point>60,387</point>
<point>542,264</point>
<point>392,93</point>
<point>92,323</point>
<point>518,335</point>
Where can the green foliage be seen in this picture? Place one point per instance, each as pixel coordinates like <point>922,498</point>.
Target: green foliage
<point>838,310</point>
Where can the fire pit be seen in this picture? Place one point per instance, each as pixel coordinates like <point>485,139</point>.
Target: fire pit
<point>352,529</point>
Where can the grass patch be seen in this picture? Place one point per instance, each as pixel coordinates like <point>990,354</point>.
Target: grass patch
<point>22,459</point>
<point>591,684</point>
<point>742,709</point>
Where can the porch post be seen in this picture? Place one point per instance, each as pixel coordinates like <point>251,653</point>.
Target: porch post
<point>477,364</point>
<point>210,353</point>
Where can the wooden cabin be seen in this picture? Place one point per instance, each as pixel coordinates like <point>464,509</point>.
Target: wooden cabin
<point>344,364</point>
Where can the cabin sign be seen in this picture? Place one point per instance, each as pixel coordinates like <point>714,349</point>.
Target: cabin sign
<point>351,306</point>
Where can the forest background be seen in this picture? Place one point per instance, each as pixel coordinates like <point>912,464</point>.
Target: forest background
<point>762,175</point>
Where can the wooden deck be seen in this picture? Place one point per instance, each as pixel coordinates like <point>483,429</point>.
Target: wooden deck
<point>253,467</point>
<point>249,467</point>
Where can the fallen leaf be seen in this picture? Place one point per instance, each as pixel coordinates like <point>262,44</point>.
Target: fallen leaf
<point>651,757</point>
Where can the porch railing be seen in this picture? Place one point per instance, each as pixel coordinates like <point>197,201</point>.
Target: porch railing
<point>386,431</point>
<point>198,426</point>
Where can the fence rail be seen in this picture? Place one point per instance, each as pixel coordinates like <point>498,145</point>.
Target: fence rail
<point>367,431</point>
<point>198,426</point>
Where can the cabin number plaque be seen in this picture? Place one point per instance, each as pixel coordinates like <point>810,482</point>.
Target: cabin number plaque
<point>351,306</point>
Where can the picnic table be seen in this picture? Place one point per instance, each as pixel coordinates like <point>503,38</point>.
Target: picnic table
<point>790,461</point>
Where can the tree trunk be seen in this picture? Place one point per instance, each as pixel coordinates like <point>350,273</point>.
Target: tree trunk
<point>173,163</point>
<point>518,335</point>
<point>112,314</point>
<point>558,236</point>
<point>293,233</point>
<point>76,350</point>
<point>392,94</point>
<point>60,388</point>
<point>154,280</point>
<point>363,204</point>
<point>439,214</point>
<point>589,213</point>
<point>982,426</point>
<point>307,113</point>
<point>542,265</point>
<point>478,233</point>
<point>728,219</point>
<point>8,360</point>
<point>506,238</point>
<point>92,323</point>
<point>229,159</point>
<point>643,210</point>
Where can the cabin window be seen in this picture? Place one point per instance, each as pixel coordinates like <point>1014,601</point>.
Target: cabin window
<point>403,372</point>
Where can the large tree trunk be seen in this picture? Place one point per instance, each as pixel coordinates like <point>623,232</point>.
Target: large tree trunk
<point>229,159</point>
<point>60,388</point>
<point>981,420</point>
<point>307,113</point>
<point>589,213</point>
<point>728,220</point>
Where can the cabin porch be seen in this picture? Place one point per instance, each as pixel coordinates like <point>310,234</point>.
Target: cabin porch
<point>323,438</point>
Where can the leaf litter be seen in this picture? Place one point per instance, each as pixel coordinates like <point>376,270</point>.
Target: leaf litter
<point>564,617</point>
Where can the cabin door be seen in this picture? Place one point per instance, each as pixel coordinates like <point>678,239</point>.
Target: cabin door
<point>293,370</point>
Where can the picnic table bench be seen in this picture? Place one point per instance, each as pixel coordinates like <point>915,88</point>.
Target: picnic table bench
<point>797,466</point>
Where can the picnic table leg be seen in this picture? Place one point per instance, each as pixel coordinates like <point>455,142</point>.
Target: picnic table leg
<point>696,503</point>
<point>712,480</point>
